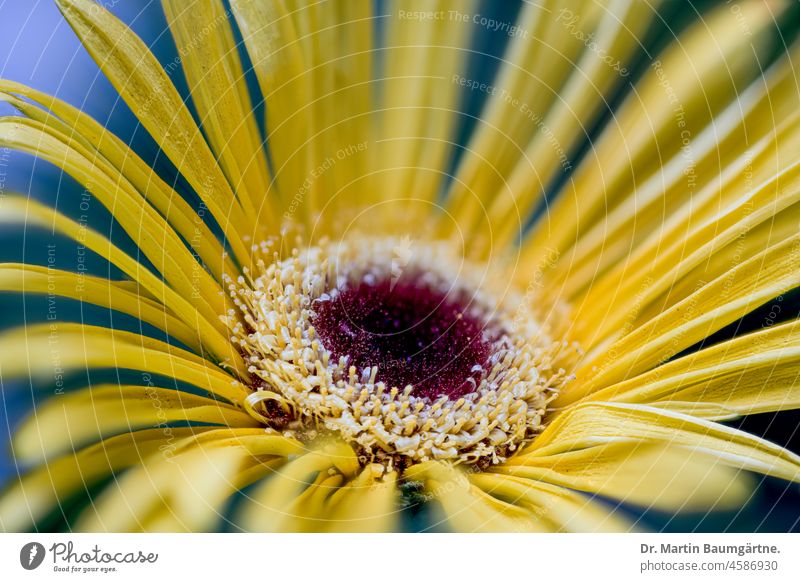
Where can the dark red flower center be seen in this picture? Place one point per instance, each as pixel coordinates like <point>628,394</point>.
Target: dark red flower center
<point>414,334</point>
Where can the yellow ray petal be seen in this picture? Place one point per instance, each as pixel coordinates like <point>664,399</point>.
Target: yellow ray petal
<point>601,68</point>
<point>707,310</point>
<point>754,373</point>
<point>354,97</point>
<point>185,491</point>
<point>71,421</point>
<point>368,503</point>
<point>18,210</point>
<point>755,124</point>
<point>295,498</point>
<point>258,442</point>
<point>35,495</point>
<point>420,98</point>
<point>783,226</point>
<point>550,88</point>
<point>117,295</point>
<point>560,508</point>
<point>467,508</point>
<point>718,217</point>
<point>158,242</point>
<point>596,423</point>
<point>215,75</point>
<point>72,329</point>
<point>271,38</point>
<point>314,65</point>
<point>75,124</point>
<point>148,91</point>
<point>335,39</point>
<point>661,476</point>
<point>698,75</point>
<point>47,353</point>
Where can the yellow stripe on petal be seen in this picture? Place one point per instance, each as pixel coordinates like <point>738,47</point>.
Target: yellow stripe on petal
<point>117,295</point>
<point>158,242</point>
<point>698,75</point>
<point>37,494</point>
<point>210,60</point>
<point>633,470</point>
<point>272,40</point>
<point>592,424</point>
<point>148,91</point>
<point>559,508</point>
<point>752,128</point>
<point>755,373</point>
<point>71,421</point>
<point>181,492</point>
<point>295,498</point>
<point>467,508</point>
<point>74,124</point>
<point>19,210</point>
<point>47,354</point>
<point>368,503</point>
<point>713,306</point>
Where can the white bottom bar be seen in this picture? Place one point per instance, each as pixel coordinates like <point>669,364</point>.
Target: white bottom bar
<point>386,558</point>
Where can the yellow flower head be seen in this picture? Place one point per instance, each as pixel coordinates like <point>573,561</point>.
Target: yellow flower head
<point>375,308</point>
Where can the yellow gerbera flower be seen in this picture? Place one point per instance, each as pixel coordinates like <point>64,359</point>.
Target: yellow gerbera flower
<point>340,331</point>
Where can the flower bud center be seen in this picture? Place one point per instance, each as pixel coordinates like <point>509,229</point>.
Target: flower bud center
<point>415,334</point>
